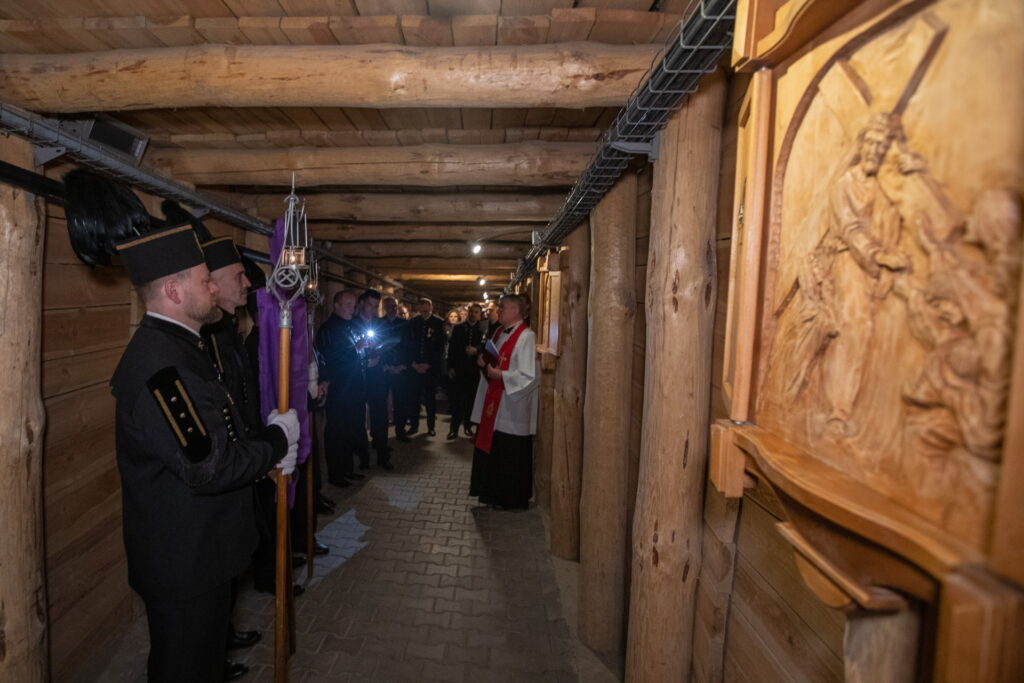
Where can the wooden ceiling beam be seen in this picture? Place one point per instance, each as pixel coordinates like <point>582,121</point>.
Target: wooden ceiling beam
<point>467,232</point>
<point>436,277</point>
<point>294,137</point>
<point>496,274</point>
<point>451,250</point>
<point>570,75</point>
<point>430,264</point>
<point>526,164</point>
<point>476,207</point>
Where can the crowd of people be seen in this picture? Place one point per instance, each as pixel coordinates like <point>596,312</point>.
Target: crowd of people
<point>196,441</point>
<point>194,449</point>
<point>373,362</point>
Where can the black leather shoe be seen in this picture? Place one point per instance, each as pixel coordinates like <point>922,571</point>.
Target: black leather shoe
<point>413,430</point>
<point>234,670</point>
<point>324,508</point>
<point>452,435</point>
<point>468,431</point>
<point>355,476</point>
<point>320,549</point>
<point>325,500</point>
<point>431,432</point>
<point>238,640</point>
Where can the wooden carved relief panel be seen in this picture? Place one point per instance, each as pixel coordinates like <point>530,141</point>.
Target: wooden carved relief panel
<point>893,254</point>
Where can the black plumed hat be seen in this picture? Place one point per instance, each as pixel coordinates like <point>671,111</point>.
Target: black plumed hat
<point>219,251</point>
<point>256,276</point>
<point>100,214</point>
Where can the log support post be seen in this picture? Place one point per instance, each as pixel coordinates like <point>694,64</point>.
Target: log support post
<point>604,504</point>
<point>680,307</point>
<point>545,430</point>
<point>23,616</point>
<point>570,376</point>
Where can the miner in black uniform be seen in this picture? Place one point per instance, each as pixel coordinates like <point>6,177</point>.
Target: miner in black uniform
<point>340,349</point>
<point>187,462</point>
<point>232,359</point>
<point>463,348</point>
<point>425,346</point>
<point>229,356</point>
<point>393,359</point>
<point>369,328</point>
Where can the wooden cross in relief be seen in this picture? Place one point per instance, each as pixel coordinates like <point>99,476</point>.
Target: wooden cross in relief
<point>851,102</point>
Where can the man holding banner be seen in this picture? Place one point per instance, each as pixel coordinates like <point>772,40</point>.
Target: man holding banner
<point>506,411</point>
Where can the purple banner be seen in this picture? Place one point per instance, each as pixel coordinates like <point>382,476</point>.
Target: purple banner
<point>270,351</point>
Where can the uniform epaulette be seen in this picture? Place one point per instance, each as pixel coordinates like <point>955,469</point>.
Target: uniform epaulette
<point>180,411</point>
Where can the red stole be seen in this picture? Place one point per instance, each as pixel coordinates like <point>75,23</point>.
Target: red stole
<point>485,432</point>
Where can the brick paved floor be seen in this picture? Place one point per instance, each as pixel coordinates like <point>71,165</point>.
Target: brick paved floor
<point>420,585</point>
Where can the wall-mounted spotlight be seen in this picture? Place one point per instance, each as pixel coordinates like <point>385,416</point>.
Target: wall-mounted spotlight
<point>481,282</point>
<point>476,247</point>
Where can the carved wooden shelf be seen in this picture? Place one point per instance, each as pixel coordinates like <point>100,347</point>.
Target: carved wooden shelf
<point>851,505</point>
<point>831,583</point>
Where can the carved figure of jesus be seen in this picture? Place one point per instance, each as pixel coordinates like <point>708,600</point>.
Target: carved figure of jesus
<point>855,262</point>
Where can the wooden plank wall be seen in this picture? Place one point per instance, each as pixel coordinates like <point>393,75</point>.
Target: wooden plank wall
<point>86,323</point>
<point>88,317</point>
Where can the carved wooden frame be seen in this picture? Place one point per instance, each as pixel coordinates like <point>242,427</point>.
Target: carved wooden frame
<point>549,306</point>
<point>856,549</point>
<point>753,144</point>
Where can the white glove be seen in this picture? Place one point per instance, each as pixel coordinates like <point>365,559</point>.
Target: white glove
<point>287,464</point>
<point>313,383</point>
<point>289,424</point>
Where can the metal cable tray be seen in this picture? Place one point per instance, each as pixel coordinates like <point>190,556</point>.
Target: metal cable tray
<point>694,50</point>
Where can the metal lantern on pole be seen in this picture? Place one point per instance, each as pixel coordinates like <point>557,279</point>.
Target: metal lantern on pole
<point>287,282</point>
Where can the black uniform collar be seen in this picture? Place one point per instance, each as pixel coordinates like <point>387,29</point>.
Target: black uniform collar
<point>172,329</point>
<point>228,321</point>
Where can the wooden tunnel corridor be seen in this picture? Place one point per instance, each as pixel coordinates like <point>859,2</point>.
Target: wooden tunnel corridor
<point>421,584</point>
<point>772,251</point>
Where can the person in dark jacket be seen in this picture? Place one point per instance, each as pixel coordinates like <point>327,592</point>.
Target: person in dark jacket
<point>343,371</point>
<point>187,462</point>
<point>425,346</point>
<point>465,345</point>
<point>229,355</point>
<point>369,329</point>
<point>393,360</point>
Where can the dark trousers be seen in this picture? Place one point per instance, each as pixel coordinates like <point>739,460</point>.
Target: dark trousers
<point>401,400</point>
<point>345,437</point>
<point>463,394</point>
<point>264,559</point>
<point>423,391</point>
<point>377,403</point>
<point>188,638</point>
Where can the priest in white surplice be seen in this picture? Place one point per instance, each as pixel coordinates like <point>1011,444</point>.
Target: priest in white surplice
<point>506,412</point>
